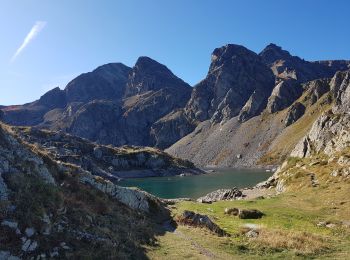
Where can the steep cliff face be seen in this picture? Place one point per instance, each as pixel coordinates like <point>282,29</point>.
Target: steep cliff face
<point>235,74</point>
<point>152,92</point>
<point>264,140</point>
<point>284,94</point>
<point>331,132</point>
<point>170,128</point>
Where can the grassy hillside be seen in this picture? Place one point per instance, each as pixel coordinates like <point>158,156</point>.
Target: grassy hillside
<point>310,220</point>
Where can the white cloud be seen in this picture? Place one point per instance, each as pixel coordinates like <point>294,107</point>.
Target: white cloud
<point>36,29</point>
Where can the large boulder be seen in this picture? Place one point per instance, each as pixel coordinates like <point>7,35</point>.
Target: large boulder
<point>250,214</point>
<point>221,194</point>
<point>197,220</point>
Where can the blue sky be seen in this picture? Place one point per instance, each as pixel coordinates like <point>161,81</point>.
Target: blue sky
<point>69,37</point>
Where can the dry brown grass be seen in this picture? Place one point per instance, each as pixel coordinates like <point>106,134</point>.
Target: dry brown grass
<point>302,243</point>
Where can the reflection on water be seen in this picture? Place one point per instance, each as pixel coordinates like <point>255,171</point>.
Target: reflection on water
<point>199,185</point>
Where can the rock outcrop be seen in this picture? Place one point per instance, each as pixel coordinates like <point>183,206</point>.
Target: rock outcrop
<point>171,128</point>
<point>296,111</point>
<point>106,161</point>
<point>283,95</point>
<point>56,199</point>
<point>222,194</point>
<point>330,133</point>
<point>98,121</point>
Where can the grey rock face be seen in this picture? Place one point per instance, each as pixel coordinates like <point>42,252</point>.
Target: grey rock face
<point>255,104</point>
<point>152,91</point>
<point>296,111</point>
<point>15,159</point>
<point>140,113</point>
<point>135,199</point>
<point>283,95</point>
<point>285,66</point>
<point>171,128</point>
<point>330,133</point>
<point>98,121</point>
<point>335,65</point>
<point>149,75</point>
<point>106,82</point>
<point>316,89</point>
<point>234,74</point>
<point>55,98</point>
<point>340,87</point>
<point>3,190</point>
<point>149,105</point>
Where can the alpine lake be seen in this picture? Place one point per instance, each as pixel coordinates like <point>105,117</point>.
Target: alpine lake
<point>195,186</point>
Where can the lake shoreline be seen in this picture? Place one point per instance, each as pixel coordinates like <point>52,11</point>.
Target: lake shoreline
<point>195,186</point>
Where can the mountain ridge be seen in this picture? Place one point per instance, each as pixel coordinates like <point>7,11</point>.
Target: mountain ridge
<point>149,105</point>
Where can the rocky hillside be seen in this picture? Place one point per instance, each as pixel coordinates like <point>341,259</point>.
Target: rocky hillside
<point>58,197</point>
<point>322,156</point>
<point>239,115</point>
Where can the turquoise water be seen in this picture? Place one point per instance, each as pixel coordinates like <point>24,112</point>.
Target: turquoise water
<point>198,185</point>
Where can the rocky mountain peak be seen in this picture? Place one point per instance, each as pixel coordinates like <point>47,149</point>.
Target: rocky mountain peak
<point>111,70</point>
<point>228,54</point>
<point>150,75</point>
<point>234,75</point>
<point>105,82</point>
<point>54,98</point>
<point>273,52</point>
